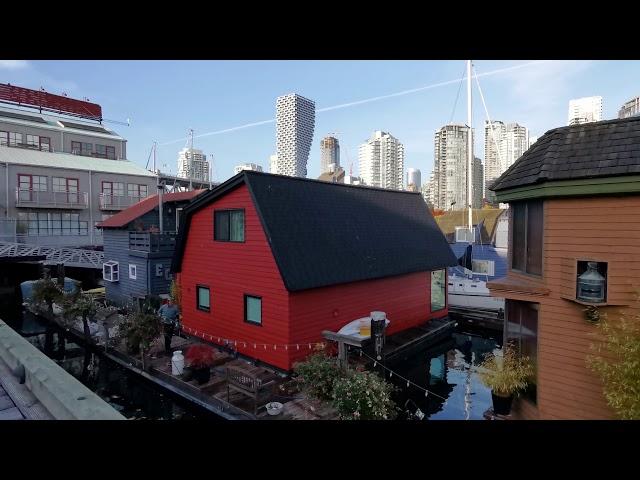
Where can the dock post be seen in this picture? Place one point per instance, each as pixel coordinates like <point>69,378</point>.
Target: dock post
<point>343,357</point>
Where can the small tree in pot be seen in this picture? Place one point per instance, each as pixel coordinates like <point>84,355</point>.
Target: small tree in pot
<point>199,359</point>
<point>506,374</point>
<point>139,331</point>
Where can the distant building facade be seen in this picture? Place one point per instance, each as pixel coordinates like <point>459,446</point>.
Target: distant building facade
<point>61,176</point>
<point>192,163</point>
<point>295,122</point>
<point>503,145</point>
<point>273,164</point>
<point>630,109</point>
<point>585,110</point>
<point>247,166</point>
<point>450,167</point>
<point>477,185</point>
<point>414,179</point>
<point>329,153</point>
<point>381,161</point>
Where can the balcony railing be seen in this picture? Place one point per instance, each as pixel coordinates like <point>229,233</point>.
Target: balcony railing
<point>29,146</point>
<point>118,202</point>
<point>36,199</point>
<point>152,242</point>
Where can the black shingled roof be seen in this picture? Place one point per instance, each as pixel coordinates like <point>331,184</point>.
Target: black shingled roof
<point>325,234</point>
<point>598,149</point>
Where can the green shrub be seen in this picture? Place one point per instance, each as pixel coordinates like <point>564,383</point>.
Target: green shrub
<point>363,396</point>
<point>318,374</point>
<point>505,374</point>
<point>617,361</point>
<point>46,291</point>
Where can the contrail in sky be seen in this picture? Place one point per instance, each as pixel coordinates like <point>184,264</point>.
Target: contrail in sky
<point>366,100</point>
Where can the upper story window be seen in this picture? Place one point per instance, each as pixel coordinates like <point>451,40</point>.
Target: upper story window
<point>33,141</point>
<point>228,226</point>
<point>15,139</point>
<point>61,184</point>
<point>104,151</point>
<point>113,188</point>
<point>527,237</point>
<point>45,144</point>
<point>4,138</point>
<point>134,190</point>
<point>82,148</point>
<point>33,183</point>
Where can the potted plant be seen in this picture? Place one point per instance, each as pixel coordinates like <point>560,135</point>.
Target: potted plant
<point>199,359</point>
<point>506,373</point>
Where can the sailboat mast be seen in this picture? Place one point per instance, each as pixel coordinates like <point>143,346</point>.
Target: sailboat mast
<point>469,146</point>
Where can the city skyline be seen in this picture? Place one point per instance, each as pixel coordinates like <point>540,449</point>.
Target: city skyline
<point>232,115</point>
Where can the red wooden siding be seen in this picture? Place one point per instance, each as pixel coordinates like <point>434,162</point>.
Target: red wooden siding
<point>406,299</point>
<point>230,270</point>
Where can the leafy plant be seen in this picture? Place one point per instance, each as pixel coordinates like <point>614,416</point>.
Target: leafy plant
<point>46,291</point>
<point>175,293</point>
<point>200,356</point>
<point>79,305</point>
<point>507,373</point>
<point>140,330</point>
<point>592,313</point>
<point>617,361</point>
<point>318,374</point>
<point>363,396</point>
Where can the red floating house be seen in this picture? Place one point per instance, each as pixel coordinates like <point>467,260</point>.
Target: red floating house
<point>269,259</point>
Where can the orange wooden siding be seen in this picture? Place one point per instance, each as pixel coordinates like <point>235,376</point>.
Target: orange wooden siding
<point>605,229</point>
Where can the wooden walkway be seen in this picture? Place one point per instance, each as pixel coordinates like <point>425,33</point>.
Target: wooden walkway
<point>16,400</point>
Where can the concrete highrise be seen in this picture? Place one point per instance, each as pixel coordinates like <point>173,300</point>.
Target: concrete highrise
<point>273,163</point>
<point>477,185</point>
<point>585,110</point>
<point>381,161</point>
<point>329,153</point>
<point>510,142</point>
<point>450,167</point>
<point>630,109</point>
<point>247,166</point>
<point>192,163</point>
<point>295,121</point>
<point>414,179</point>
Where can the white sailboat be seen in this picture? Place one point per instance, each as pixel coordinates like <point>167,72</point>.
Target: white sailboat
<point>466,291</point>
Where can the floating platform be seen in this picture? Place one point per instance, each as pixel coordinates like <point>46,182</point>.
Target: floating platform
<point>479,317</point>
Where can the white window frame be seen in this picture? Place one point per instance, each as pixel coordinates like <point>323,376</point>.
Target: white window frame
<point>133,271</point>
<point>463,234</point>
<point>111,271</point>
<point>490,267</point>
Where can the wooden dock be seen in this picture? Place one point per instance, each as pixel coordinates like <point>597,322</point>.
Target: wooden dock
<point>479,317</point>
<point>398,345</point>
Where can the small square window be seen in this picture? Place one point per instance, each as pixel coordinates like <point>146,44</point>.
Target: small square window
<point>111,271</point>
<point>228,226</point>
<point>203,298</point>
<point>253,309</point>
<point>133,272</point>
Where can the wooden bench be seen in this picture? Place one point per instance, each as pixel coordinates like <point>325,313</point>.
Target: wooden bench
<point>250,381</point>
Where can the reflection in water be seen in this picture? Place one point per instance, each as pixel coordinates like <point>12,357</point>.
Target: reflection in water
<point>447,370</point>
<point>133,397</point>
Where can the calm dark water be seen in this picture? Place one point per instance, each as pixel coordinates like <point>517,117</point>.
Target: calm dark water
<point>133,397</point>
<point>446,370</point>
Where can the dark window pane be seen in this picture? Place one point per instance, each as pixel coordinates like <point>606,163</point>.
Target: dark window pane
<point>237,226</point>
<point>518,238</point>
<point>534,237</point>
<point>438,279</point>
<point>221,226</point>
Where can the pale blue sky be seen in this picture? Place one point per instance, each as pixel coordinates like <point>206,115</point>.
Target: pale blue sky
<point>164,99</point>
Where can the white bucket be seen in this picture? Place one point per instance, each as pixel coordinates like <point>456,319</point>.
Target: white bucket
<point>177,363</point>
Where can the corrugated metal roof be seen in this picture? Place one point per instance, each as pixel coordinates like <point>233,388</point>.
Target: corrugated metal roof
<point>25,156</point>
<point>124,217</point>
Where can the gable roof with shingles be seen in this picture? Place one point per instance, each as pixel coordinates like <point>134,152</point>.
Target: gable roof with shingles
<point>325,234</point>
<point>128,215</point>
<point>589,150</point>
